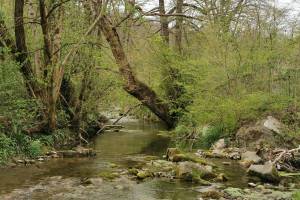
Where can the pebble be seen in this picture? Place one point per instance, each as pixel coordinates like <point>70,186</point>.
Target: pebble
<point>252,185</point>
<point>226,163</point>
<point>20,161</point>
<point>119,187</point>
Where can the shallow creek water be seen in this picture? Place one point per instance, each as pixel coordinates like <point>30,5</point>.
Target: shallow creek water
<point>61,178</point>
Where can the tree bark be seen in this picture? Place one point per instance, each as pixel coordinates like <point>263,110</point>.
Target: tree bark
<point>21,50</point>
<point>164,24</point>
<point>131,84</point>
<point>178,26</point>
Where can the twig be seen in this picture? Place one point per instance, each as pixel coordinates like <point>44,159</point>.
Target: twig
<point>80,136</point>
<point>284,153</point>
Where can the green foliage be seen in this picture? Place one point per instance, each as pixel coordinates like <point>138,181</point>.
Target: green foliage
<point>210,136</point>
<point>34,149</point>
<point>27,146</point>
<point>18,145</point>
<point>296,195</point>
<point>7,148</point>
<point>231,111</point>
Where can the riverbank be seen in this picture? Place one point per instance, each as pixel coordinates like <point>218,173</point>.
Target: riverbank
<point>109,175</point>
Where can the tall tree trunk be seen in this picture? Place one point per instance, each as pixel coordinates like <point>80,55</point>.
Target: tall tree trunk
<point>32,15</point>
<point>178,26</point>
<point>83,96</point>
<point>21,50</point>
<point>131,84</point>
<point>164,24</point>
<point>56,68</point>
<point>53,72</point>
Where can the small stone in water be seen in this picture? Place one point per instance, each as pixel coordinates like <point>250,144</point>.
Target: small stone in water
<point>119,187</point>
<point>41,159</point>
<point>252,184</point>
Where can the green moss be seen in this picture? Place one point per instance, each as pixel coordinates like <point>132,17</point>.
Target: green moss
<point>144,174</point>
<point>189,157</point>
<point>108,175</point>
<point>296,195</point>
<point>234,192</point>
<point>133,171</point>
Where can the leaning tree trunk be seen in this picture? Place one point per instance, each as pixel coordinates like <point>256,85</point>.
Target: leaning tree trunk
<point>132,85</point>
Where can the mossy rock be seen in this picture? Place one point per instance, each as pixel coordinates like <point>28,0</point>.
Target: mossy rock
<point>113,165</point>
<point>189,157</point>
<point>133,171</point>
<point>234,192</point>
<point>142,174</point>
<point>194,172</point>
<point>108,175</point>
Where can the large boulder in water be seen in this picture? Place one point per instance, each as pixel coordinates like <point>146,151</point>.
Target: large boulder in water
<point>268,133</point>
<point>266,172</point>
<point>250,157</point>
<point>194,172</point>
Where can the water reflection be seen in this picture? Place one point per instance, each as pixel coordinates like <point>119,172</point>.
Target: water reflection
<point>112,147</point>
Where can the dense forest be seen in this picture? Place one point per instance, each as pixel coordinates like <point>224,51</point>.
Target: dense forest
<point>215,73</point>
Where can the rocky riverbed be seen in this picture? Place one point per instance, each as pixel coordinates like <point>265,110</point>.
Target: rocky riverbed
<point>137,163</point>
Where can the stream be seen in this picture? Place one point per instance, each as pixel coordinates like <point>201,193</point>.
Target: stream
<point>63,178</point>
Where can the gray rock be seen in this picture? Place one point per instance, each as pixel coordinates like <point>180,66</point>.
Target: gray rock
<point>219,145</point>
<point>252,185</point>
<point>234,156</point>
<point>266,172</point>
<point>273,124</point>
<point>251,156</point>
<point>268,132</point>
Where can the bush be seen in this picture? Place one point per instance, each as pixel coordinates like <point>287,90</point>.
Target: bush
<point>210,136</point>
<point>7,148</point>
<point>34,149</point>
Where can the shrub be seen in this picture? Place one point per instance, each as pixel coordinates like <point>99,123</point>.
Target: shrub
<point>210,136</point>
<point>7,148</point>
<point>34,149</point>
